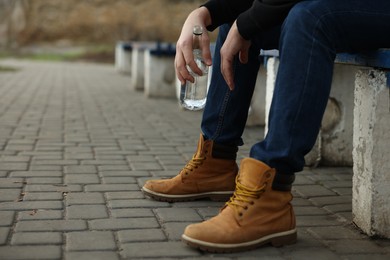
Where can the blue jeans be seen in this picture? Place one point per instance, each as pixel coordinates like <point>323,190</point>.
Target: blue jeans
<point>308,41</point>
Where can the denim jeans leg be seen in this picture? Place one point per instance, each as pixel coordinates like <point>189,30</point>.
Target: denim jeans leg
<point>226,111</point>
<point>312,34</point>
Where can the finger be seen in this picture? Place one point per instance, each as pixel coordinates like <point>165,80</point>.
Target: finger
<point>243,56</point>
<point>181,69</point>
<point>189,59</point>
<point>227,70</point>
<point>206,49</point>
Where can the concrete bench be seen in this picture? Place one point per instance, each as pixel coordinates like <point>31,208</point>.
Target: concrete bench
<point>362,121</point>
<point>123,52</point>
<point>138,64</point>
<point>159,71</point>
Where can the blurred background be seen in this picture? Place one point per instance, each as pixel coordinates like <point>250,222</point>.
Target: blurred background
<point>86,29</point>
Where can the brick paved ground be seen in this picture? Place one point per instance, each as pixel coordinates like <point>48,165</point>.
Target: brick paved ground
<point>76,145</point>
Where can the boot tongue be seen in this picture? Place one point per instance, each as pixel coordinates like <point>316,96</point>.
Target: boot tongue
<point>252,173</point>
<point>199,150</point>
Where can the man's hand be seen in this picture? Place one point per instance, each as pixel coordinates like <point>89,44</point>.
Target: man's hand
<point>234,44</point>
<point>184,55</point>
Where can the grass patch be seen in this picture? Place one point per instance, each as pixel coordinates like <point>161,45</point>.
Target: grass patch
<point>100,54</point>
<point>7,69</point>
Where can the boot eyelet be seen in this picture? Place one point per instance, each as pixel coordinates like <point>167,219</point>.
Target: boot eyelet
<point>252,202</point>
<point>240,214</point>
<point>246,207</point>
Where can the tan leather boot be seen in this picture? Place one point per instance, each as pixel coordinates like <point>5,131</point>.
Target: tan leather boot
<point>254,216</point>
<point>203,177</point>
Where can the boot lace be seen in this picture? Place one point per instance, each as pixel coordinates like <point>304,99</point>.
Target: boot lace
<point>243,196</point>
<point>194,163</point>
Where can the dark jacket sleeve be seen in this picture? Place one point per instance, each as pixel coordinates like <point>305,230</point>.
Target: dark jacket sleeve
<point>253,16</point>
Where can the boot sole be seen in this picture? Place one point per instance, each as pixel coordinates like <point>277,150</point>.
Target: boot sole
<point>276,240</point>
<point>214,196</point>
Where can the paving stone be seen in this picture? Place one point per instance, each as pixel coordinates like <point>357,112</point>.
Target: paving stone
<point>147,166</point>
<point>113,180</point>
<point>86,211</point>
<point>3,236</point>
<point>346,216</point>
<point>331,200</point>
<point>9,195</point>
<point>104,162</point>
<point>82,178</point>
<point>124,195</point>
<point>209,212</point>
<point>309,211</point>
<point>90,240</point>
<point>309,253</point>
<point>6,218</point>
<point>137,203</point>
<point>79,156</point>
<point>30,174</point>
<point>157,249</point>
<point>80,198</point>
<point>306,239</point>
<point>328,233</point>
<point>310,221</point>
<point>111,187</point>
<point>36,196</point>
<point>136,174</point>
<point>104,157</point>
<point>337,184</point>
<point>199,204</point>
<point>300,202</point>
<point>28,205</point>
<point>54,162</point>
<point>177,215</point>
<point>10,183</point>
<point>309,191</point>
<point>351,246</point>
<point>50,225</point>
<point>45,168</point>
<point>13,166</point>
<point>30,252</point>
<point>123,223</point>
<point>40,215</point>
<point>141,158</point>
<point>339,208</point>
<point>141,235</point>
<point>343,191</point>
<point>17,158</point>
<point>55,188</point>
<point>112,170</point>
<point>44,180</point>
<point>91,255</point>
<point>36,238</point>
<point>132,213</point>
<point>80,169</point>
<point>174,230</point>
